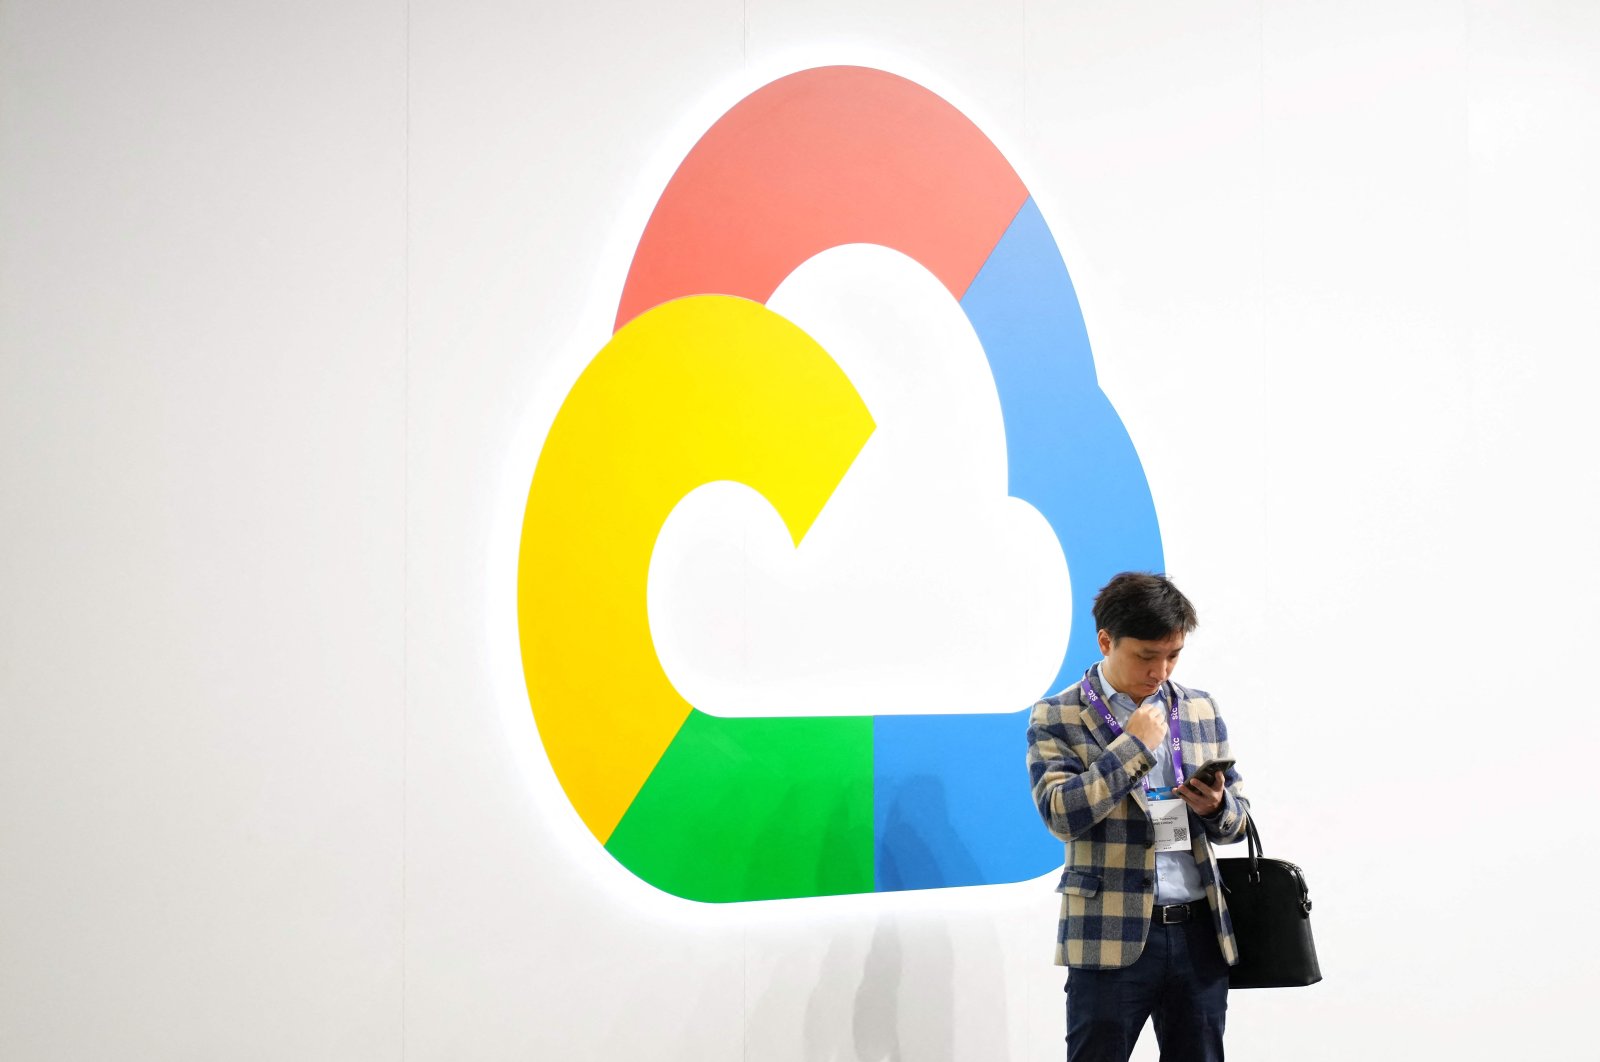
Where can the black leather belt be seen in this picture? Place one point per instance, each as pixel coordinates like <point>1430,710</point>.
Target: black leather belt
<point>1174,913</point>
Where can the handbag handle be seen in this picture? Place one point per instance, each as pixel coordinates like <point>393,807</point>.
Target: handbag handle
<point>1254,840</point>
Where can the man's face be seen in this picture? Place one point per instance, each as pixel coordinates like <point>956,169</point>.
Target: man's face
<point>1137,667</point>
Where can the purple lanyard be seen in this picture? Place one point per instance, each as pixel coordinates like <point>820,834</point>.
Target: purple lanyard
<point>1174,738</point>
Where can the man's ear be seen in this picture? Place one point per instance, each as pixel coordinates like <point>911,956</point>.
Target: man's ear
<point>1105,643</point>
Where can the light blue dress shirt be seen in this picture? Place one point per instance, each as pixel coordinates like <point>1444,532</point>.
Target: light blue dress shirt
<point>1177,876</point>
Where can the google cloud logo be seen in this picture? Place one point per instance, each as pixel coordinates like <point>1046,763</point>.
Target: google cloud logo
<point>702,383</point>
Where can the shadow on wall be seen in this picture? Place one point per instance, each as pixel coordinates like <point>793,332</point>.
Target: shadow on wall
<point>906,1009</point>
<point>905,1003</point>
<point>844,860</point>
<point>882,988</point>
<point>918,826</point>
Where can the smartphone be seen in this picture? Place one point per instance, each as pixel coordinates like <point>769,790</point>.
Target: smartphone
<point>1207,772</point>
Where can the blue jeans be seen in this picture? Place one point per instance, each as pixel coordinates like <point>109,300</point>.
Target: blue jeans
<point>1180,981</point>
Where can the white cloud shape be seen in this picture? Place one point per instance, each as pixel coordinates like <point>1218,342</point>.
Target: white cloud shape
<point>921,587</point>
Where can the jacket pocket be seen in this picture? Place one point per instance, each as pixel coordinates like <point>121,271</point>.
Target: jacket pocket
<point>1079,884</point>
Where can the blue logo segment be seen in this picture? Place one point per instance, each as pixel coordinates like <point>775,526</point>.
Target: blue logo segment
<point>946,810</point>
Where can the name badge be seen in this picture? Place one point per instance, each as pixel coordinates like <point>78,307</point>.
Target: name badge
<point>1170,817</point>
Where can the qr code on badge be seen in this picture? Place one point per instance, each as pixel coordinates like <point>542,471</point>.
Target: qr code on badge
<point>1180,833</point>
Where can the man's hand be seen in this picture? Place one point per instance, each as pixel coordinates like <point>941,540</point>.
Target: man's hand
<point>1149,725</point>
<point>1203,799</point>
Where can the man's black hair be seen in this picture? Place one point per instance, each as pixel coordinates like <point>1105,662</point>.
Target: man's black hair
<point>1142,605</point>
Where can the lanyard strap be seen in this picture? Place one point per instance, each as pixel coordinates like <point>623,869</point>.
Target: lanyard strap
<point>1174,740</point>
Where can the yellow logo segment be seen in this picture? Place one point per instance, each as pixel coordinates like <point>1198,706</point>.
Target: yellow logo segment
<point>694,391</point>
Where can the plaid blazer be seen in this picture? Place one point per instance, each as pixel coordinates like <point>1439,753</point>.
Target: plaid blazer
<point>1086,787</point>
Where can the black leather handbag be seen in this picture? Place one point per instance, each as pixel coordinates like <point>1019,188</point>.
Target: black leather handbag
<point>1271,911</point>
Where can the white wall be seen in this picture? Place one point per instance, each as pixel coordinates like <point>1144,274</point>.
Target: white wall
<point>287,294</point>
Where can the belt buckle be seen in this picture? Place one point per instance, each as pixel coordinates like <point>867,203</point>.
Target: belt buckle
<point>1172,909</point>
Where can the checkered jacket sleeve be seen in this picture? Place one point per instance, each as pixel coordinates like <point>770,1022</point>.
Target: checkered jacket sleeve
<point>1073,796</point>
<point>1226,825</point>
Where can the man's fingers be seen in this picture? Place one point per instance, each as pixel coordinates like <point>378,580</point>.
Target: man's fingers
<point>1201,796</point>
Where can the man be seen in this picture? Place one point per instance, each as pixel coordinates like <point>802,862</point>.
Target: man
<point>1144,927</point>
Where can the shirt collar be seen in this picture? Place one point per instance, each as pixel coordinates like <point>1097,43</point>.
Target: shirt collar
<point>1105,683</point>
<point>1112,692</point>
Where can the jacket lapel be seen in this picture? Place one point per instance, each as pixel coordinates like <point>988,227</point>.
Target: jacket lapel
<point>1204,858</point>
<point>1193,753</point>
<point>1091,718</point>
